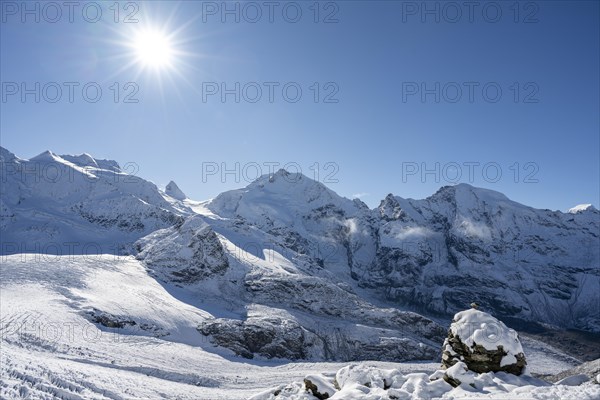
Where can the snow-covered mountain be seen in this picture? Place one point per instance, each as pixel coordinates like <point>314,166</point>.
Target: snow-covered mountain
<point>461,244</point>
<point>295,262</point>
<point>77,205</point>
<point>465,243</point>
<point>283,269</point>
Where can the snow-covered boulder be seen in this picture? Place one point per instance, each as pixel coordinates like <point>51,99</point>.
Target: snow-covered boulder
<point>365,376</point>
<point>319,386</point>
<point>483,344</point>
<point>459,374</point>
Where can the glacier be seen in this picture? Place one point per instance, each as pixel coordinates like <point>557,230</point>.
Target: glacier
<point>282,270</point>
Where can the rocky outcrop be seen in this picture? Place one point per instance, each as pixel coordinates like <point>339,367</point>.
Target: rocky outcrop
<point>109,320</point>
<point>173,190</point>
<point>185,253</point>
<point>296,339</point>
<point>266,337</point>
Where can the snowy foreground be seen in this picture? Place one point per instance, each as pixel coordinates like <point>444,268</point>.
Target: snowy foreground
<point>360,382</point>
<point>52,347</point>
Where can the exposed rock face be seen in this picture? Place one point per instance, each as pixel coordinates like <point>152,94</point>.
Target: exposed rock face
<point>173,190</point>
<point>295,339</point>
<point>108,320</point>
<point>463,243</point>
<point>185,253</point>
<point>483,344</point>
<point>267,337</point>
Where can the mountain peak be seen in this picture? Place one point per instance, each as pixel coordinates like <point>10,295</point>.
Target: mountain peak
<point>173,190</point>
<point>464,191</point>
<point>282,193</point>
<point>82,160</point>
<point>46,156</point>
<point>285,182</point>
<point>280,176</point>
<point>85,160</point>
<point>390,208</point>
<point>578,209</point>
<point>6,155</point>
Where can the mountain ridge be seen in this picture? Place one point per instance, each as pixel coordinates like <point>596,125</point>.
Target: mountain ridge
<point>87,160</point>
<point>292,246</point>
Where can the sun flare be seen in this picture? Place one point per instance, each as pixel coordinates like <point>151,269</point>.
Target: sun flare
<point>153,49</point>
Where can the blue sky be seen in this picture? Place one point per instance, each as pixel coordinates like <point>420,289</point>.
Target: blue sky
<point>380,99</point>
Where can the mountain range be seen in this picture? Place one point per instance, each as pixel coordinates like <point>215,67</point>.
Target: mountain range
<point>290,269</point>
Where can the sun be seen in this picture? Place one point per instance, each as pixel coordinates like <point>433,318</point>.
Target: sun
<point>153,49</point>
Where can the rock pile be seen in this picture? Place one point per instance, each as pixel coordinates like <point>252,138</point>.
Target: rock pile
<point>483,344</point>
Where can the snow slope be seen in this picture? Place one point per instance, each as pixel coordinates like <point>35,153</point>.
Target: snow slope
<point>51,348</point>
